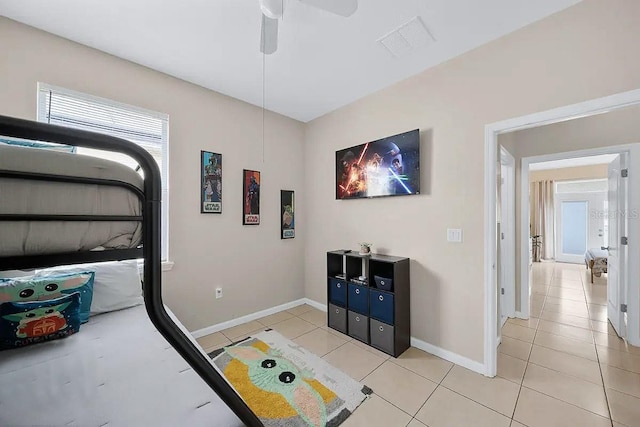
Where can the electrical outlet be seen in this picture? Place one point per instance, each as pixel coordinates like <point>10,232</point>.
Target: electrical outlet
<point>454,235</point>
<point>218,293</point>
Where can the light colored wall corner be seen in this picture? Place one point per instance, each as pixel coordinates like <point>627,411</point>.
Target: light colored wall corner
<point>208,250</point>
<point>521,73</point>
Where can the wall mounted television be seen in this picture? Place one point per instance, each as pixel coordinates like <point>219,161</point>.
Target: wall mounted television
<point>386,167</point>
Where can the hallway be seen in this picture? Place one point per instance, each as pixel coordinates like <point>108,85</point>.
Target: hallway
<point>569,362</point>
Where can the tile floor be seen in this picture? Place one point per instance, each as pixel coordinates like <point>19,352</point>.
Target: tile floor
<point>568,363</point>
<point>563,367</point>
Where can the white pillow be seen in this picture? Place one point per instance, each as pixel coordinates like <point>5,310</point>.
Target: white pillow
<point>117,284</point>
<point>10,274</point>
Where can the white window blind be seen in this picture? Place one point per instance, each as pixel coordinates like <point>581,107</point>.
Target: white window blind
<point>149,129</point>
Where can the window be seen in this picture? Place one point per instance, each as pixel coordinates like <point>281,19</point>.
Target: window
<point>146,128</point>
<point>582,186</point>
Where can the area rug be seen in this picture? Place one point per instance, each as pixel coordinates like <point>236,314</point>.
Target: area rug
<point>285,385</point>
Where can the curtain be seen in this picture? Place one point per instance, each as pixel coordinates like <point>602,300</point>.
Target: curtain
<point>542,217</point>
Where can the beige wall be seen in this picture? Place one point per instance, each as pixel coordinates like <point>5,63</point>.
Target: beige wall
<point>614,128</point>
<point>578,54</point>
<point>256,269</point>
<point>567,174</point>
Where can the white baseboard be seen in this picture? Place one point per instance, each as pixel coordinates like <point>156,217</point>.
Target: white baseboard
<point>315,304</point>
<point>415,342</point>
<point>519,315</point>
<point>248,318</point>
<point>448,355</point>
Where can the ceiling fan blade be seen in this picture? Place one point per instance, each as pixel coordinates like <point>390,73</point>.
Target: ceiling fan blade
<point>339,7</point>
<point>269,35</point>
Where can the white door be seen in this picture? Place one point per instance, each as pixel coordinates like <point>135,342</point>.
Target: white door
<point>616,282</point>
<point>502,306</point>
<point>598,206</point>
<point>507,232</point>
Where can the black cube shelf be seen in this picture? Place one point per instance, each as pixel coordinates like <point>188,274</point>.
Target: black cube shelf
<point>374,309</point>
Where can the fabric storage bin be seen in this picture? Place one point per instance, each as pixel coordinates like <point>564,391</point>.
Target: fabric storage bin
<point>338,318</point>
<point>382,336</point>
<point>381,306</point>
<point>358,326</point>
<point>358,300</point>
<point>338,292</point>
<point>383,283</point>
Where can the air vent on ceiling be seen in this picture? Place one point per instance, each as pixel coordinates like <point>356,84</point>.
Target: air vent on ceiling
<point>406,38</point>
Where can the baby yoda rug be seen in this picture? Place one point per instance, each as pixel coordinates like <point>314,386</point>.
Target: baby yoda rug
<point>286,385</point>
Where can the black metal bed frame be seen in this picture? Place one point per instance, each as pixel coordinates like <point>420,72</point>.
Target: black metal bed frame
<point>151,235</point>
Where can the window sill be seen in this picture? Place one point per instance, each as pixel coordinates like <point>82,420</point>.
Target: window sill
<point>166,266</point>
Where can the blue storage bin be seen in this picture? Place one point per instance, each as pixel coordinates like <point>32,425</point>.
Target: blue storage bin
<point>358,299</point>
<point>338,292</point>
<point>381,306</point>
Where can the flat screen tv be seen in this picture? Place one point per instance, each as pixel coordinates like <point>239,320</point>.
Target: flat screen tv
<point>386,167</point>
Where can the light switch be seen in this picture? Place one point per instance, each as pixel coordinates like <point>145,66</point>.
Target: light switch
<point>454,235</point>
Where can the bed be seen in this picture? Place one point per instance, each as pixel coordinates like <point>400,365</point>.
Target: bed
<point>118,371</point>
<point>137,366</point>
<point>596,261</point>
<point>21,196</point>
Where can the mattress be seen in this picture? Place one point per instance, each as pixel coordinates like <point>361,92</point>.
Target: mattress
<point>20,196</point>
<point>117,370</point>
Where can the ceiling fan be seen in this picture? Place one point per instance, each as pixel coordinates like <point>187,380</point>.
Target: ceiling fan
<point>272,11</point>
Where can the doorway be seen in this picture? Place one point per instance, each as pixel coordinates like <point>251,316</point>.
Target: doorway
<point>582,110</point>
<point>586,212</point>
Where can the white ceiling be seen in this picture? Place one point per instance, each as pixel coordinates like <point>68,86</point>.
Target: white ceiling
<point>323,61</point>
<point>571,163</point>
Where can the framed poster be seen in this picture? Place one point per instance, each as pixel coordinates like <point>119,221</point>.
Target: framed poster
<point>287,224</point>
<point>211,182</point>
<point>250,197</point>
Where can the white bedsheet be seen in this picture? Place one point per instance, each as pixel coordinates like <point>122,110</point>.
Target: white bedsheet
<point>117,371</point>
<point>20,196</point>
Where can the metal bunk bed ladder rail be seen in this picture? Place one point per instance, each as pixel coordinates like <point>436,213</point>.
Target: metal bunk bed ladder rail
<point>151,239</point>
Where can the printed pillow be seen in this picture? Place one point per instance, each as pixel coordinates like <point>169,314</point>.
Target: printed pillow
<point>34,288</point>
<point>26,323</point>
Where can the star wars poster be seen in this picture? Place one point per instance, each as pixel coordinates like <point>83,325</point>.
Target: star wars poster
<point>288,225</point>
<point>211,183</point>
<point>386,167</point>
<point>251,197</point>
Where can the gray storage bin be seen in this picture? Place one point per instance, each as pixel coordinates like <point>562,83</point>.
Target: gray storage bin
<point>383,283</point>
<point>359,326</point>
<point>382,337</point>
<point>338,318</point>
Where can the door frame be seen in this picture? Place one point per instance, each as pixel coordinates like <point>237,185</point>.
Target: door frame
<point>556,115</point>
